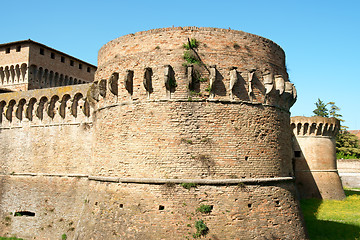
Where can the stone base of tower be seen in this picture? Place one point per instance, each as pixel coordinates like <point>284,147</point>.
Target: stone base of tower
<point>319,184</point>
<point>83,208</point>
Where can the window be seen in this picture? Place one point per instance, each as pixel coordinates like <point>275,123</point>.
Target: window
<point>42,51</point>
<point>18,48</point>
<point>62,59</point>
<point>52,55</point>
<point>7,50</point>
<point>80,66</point>
<point>88,69</point>
<point>71,63</point>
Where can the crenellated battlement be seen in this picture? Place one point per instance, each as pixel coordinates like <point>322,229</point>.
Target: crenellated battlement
<point>43,107</point>
<point>161,84</point>
<point>315,126</point>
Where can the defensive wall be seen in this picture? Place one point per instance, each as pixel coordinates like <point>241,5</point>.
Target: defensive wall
<point>153,139</point>
<point>315,157</point>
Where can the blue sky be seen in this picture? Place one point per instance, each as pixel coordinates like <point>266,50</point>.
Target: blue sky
<point>321,39</point>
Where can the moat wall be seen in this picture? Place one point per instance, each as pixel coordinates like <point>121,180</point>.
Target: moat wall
<point>120,173</point>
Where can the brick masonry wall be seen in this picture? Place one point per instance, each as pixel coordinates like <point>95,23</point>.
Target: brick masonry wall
<point>192,140</point>
<point>46,62</point>
<point>36,137</point>
<point>14,57</point>
<point>83,209</point>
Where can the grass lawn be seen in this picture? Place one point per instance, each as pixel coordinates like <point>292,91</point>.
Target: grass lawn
<point>331,219</point>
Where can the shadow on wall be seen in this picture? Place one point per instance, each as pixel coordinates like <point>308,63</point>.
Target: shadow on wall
<point>304,180</point>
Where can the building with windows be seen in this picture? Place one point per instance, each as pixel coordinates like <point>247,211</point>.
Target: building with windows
<point>26,65</point>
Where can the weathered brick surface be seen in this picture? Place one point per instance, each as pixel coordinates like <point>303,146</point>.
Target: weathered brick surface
<point>192,139</point>
<point>131,211</point>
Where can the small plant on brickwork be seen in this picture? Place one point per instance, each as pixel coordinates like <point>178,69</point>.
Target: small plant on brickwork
<point>236,46</point>
<point>63,237</point>
<point>208,89</point>
<point>205,208</point>
<point>203,79</point>
<point>193,43</point>
<point>188,186</point>
<point>188,141</point>
<point>196,94</point>
<point>201,229</point>
<point>190,58</point>
<point>157,47</point>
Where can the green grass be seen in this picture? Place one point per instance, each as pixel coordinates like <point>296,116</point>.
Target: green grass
<point>331,219</point>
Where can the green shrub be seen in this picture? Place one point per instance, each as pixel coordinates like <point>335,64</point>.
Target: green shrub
<point>190,57</point>
<point>205,208</point>
<point>193,44</point>
<point>341,155</point>
<point>201,229</point>
<point>63,237</point>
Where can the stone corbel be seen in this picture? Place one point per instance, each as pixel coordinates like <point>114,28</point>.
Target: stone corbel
<point>279,84</point>
<point>250,85</point>
<point>233,80</point>
<point>212,79</point>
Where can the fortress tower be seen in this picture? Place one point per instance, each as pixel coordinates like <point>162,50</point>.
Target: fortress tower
<point>184,133</point>
<point>315,157</point>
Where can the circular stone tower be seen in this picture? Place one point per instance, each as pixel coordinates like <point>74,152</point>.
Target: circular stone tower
<point>315,157</point>
<point>189,119</point>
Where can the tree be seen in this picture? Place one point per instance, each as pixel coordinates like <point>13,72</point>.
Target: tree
<point>321,109</point>
<point>347,144</point>
<point>333,112</point>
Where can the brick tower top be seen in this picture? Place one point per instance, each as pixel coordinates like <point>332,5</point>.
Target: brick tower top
<point>315,126</point>
<point>201,63</point>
